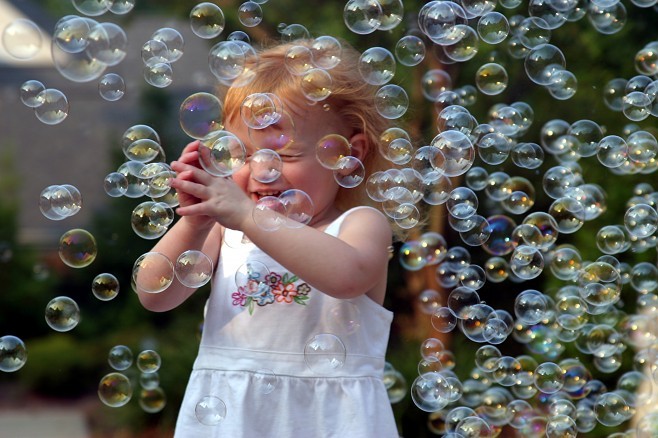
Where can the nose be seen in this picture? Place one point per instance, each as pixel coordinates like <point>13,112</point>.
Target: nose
<point>265,166</point>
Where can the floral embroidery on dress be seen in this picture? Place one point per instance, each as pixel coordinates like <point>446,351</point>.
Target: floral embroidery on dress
<point>273,288</point>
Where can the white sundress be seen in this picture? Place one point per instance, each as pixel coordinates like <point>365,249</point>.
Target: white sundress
<point>252,377</point>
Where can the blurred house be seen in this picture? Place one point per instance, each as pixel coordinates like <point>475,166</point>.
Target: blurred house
<point>80,150</point>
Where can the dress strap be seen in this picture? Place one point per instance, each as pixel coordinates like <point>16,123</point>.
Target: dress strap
<point>334,228</point>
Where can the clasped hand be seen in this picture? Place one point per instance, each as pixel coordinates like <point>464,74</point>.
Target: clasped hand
<point>205,199</point>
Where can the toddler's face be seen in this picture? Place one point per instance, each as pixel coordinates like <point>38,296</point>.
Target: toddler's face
<point>295,139</point>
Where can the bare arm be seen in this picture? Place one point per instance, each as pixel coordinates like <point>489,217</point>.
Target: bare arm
<point>350,265</point>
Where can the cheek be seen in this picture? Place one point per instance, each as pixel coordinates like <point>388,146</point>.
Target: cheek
<point>241,176</point>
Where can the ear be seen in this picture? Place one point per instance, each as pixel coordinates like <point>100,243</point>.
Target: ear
<point>360,146</point>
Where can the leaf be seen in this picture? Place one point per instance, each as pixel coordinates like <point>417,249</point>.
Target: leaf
<point>301,299</point>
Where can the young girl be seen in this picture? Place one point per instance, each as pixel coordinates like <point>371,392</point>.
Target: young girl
<point>303,357</point>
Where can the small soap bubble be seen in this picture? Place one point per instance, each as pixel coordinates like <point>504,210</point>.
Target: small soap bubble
<point>269,213</point>
<point>30,93</point>
<point>153,272</point>
<point>149,380</point>
<point>22,38</point>
<point>612,409</point>
<point>251,280</point>
<point>363,16</point>
<point>250,14</point>
<point>13,354</point>
<point>77,248</point>
<point>641,220</point>
<point>542,62</point>
<point>115,390</point>
<point>266,381</point>
<point>467,46</point>
<point>410,50</point>
<point>298,60</point>
<point>193,268</point>
<point>105,286</point>
<point>331,148</point>
<point>111,87</point>
<point>152,400</point>
<point>223,154</point>
<point>150,220</point>
<point>391,101</point>
<point>324,353</point>
<point>148,361</point>
<point>292,32</point>
<point>462,203</point>
<point>317,85</point>
<point>444,320</point>
<point>265,165</point>
<point>377,66</point>
<point>326,52</point>
<point>429,392</point>
<point>62,314</point>
<point>207,20</point>
<point>173,40</point>
<point>210,410</point>
<point>434,82</point>
<point>260,110</point>
<point>54,107</point>
<point>349,172</point>
<point>491,79</point>
<point>200,115</point>
<point>493,27</point>
<point>120,357</point>
<point>159,74</point>
<point>107,43</point>
<point>298,207</point>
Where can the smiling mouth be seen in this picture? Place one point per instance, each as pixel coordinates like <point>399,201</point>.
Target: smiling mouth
<point>259,195</point>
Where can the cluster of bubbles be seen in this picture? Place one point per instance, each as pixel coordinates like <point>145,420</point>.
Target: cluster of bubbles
<point>115,389</point>
<point>50,104</point>
<point>58,202</point>
<point>154,272</point>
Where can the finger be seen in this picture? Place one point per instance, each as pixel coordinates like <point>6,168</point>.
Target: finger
<point>191,188</point>
<point>198,209</point>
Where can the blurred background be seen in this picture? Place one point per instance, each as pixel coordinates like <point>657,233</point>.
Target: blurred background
<point>57,386</point>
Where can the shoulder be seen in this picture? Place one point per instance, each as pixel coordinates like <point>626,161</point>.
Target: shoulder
<point>366,220</point>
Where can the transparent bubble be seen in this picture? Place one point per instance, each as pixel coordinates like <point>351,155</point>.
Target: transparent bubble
<point>30,93</point>
<point>266,381</point>
<point>173,40</point>
<point>391,101</point>
<point>77,248</point>
<point>331,148</point>
<point>207,20</point>
<point>600,283</point>
<point>520,195</point>
<point>612,151</point>
<point>644,277</point>
<point>115,184</point>
<point>154,52</point>
<point>298,60</point>
<point>150,220</point>
<point>298,207</point>
<point>251,279</point>
<point>292,32</point>
<point>107,42</point>
<point>229,61</point>
<point>530,306</point>
<point>443,320</point>
<point>260,110</point>
<point>152,400</point>
<point>434,82</point>
<point>641,220</point>
<point>636,106</point>
<point>411,255</point>
<point>269,213</point>
<point>62,314</point>
<point>429,392</point>
<point>120,357</point>
<point>326,52</point>
<point>54,107</point>
<point>153,272</point>
<point>542,62</point>
<point>642,146</point>
<point>115,390</point>
<point>13,354</point>
<point>612,409</point>
<point>466,47</point>
<point>324,353</point>
<point>111,87</point>
<point>349,172</point>
<point>363,16</point>
<point>456,149</point>
<point>607,20</point>
<point>148,361</point>
<point>200,114</point>
<point>193,268</point>
<point>57,202</point>
<point>121,7</point>
<point>491,79</point>
<point>462,203</point>
<point>377,65</point>
<point>493,27</point>
<point>105,286</point>
<point>222,154</point>
<point>160,74</point>
<point>71,33</point>
<point>22,39</point>
<point>210,410</point>
<point>317,85</point>
<point>250,14</point>
<point>410,50</point>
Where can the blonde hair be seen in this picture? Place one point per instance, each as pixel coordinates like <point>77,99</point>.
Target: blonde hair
<point>351,98</point>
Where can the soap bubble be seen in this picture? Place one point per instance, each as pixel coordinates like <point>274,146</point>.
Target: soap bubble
<point>153,272</point>
<point>429,392</point>
<point>222,154</point>
<point>269,213</point>
<point>260,110</point>
<point>612,409</point>
<point>607,20</point>
<point>22,39</point>
<point>58,202</point>
<point>207,20</point>
<point>160,74</point>
<point>317,85</point>
<point>641,220</point>
<point>331,148</point>
<point>62,314</point>
<point>120,357</point>
<point>391,101</point>
<point>491,79</point>
<point>324,353</point>
<point>210,410</point>
<point>326,52</point>
<point>111,87</point>
<point>193,268</point>
<point>265,165</point>
<point>30,93</point>
<point>150,220</point>
<point>250,14</point>
<point>457,150</point>
<point>434,82</point>
<point>493,27</point>
<point>349,172</point>
<point>251,278</point>
<point>173,40</point>
<point>200,115</point>
<point>115,390</point>
<point>77,248</point>
<point>377,66</point>
<point>298,60</point>
<point>362,16</point>
<point>152,400</point>
<point>466,47</point>
<point>105,286</point>
<point>107,42</point>
<point>298,207</point>
<point>148,361</point>
<point>54,107</point>
<point>542,62</point>
<point>13,354</point>
<point>410,50</point>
